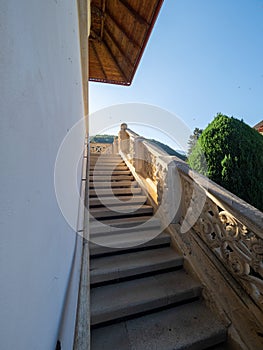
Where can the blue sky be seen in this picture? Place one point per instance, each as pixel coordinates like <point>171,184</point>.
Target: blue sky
<point>203,57</point>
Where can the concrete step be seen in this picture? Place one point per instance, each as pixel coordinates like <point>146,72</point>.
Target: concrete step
<point>115,191</point>
<point>111,201</point>
<point>112,173</point>
<point>192,326</point>
<point>131,224</point>
<point>105,156</point>
<point>111,184</point>
<point>111,178</point>
<point>117,267</point>
<point>105,167</point>
<point>101,162</point>
<point>120,211</point>
<point>122,243</point>
<point>117,301</point>
<point>106,160</point>
<point>112,235</point>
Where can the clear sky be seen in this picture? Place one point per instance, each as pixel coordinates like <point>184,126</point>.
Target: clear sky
<point>203,57</point>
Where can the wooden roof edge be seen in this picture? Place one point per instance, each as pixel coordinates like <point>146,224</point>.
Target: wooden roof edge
<point>258,125</point>
<point>157,11</point>
<point>104,81</point>
<point>128,80</point>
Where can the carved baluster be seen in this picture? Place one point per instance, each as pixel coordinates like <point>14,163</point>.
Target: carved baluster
<point>124,139</point>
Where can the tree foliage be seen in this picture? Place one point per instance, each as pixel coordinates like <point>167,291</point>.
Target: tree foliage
<point>193,139</point>
<point>102,138</point>
<point>231,153</point>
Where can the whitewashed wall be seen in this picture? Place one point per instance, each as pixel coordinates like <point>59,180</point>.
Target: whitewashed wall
<point>40,100</point>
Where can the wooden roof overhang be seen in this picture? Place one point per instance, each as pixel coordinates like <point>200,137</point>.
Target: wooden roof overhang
<point>119,32</point>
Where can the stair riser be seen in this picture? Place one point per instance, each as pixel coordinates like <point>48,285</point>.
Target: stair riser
<point>104,216</point>
<point>93,203</point>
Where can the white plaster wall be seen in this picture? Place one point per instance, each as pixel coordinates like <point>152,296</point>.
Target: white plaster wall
<point>40,100</point>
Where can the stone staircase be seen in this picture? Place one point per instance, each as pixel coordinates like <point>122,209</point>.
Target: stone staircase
<point>141,296</point>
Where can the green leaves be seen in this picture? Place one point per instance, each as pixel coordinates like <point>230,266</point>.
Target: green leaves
<point>231,153</point>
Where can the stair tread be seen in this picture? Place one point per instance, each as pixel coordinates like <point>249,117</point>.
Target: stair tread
<point>148,233</point>
<point>190,326</point>
<point>107,167</point>
<point>98,228</point>
<point>115,191</point>
<point>119,211</point>
<point>134,220</point>
<point>128,298</point>
<point>132,224</point>
<point>105,156</point>
<point>113,172</point>
<point>110,184</point>
<point>107,161</point>
<point>112,178</point>
<point>127,238</point>
<point>120,266</point>
<point>121,208</point>
<point>117,201</point>
<point>127,242</point>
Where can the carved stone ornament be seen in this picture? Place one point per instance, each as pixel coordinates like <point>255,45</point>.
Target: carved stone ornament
<point>242,250</point>
<point>239,248</point>
<point>149,165</point>
<point>100,148</point>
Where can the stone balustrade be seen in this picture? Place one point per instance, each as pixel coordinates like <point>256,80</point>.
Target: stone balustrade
<point>200,213</point>
<point>103,148</point>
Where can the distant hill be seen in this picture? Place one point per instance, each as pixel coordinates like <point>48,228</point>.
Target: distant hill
<point>166,148</point>
<point>102,138</point>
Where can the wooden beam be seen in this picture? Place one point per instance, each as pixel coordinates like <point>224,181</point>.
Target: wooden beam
<point>115,61</point>
<point>134,13</point>
<point>124,54</point>
<point>103,18</point>
<point>94,37</point>
<point>122,29</point>
<point>98,58</point>
<point>96,11</point>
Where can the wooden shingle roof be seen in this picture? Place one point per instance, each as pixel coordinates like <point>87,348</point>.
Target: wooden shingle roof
<point>119,33</point>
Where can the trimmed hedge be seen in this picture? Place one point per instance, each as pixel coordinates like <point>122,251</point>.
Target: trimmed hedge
<point>230,153</point>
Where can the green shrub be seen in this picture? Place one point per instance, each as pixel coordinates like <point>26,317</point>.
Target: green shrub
<point>230,153</point>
